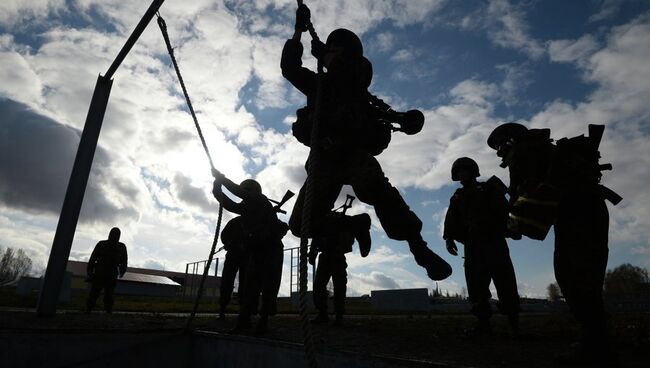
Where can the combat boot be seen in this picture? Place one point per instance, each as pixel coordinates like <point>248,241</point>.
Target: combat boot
<point>243,323</point>
<point>513,320</point>
<point>339,320</point>
<point>262,325</point>
<point>322,317</point>
<point>481,329</point>
<point>437,268</point>
<point>360,229</point>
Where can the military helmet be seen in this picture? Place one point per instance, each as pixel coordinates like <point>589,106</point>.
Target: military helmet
<point>251,186</point>
<point>504,133</point>
<point>347,40</point>
<point>464,163</point>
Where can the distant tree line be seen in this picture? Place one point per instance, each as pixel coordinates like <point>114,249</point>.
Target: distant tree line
<point>13,264</point>
<point>624,280</point>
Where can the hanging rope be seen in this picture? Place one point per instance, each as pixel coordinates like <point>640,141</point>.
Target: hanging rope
<point>206,270</point>
<point>305,228</point>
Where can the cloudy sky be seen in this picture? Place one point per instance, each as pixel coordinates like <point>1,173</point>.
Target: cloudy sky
<point>467,65</point>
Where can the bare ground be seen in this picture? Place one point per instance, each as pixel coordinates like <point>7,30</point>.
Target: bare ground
<point>434,338</point>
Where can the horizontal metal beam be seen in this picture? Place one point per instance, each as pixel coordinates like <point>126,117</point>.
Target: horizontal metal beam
<point>153,8</point>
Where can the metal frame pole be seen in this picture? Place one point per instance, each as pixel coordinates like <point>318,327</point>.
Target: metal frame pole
<point>74,195</point>
<point>69,217</point>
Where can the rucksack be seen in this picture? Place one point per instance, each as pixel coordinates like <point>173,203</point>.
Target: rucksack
<point>375,139</point>
<point>576,164</point>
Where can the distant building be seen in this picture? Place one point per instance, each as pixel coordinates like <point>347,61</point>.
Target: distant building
<point>147,282</point>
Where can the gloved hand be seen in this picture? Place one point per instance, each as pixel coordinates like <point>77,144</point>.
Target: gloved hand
<point>451,247</point>
<point>318,49</point>
<point>217,175</point>
<point>303,18</point>
<point>216,188</point>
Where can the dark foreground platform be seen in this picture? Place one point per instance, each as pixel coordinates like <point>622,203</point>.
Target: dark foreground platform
<point>145,340</point>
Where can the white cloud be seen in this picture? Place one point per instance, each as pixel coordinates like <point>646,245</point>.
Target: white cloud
<point>15,12</point>
<point>572,50</point>
<point>507,28</point>
<point>385,41</point>
<point>608,8</point>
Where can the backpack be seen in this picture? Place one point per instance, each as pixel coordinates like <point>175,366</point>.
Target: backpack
<point>375,139</point>
<point>576,164</point>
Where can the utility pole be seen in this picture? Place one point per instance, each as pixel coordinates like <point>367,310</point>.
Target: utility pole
<point>74,195</point>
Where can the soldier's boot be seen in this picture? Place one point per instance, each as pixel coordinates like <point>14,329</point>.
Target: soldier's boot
<point>482,328</point>
<point>321,317</point>
<point>339,319</point>
<point>513,320</point>
<point>437,268</point>
<point>243,323</point>
<point>360,228</point>
<point>262,324</point>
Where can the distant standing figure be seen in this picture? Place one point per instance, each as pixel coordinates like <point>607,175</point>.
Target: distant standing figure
<point>477,217</point>
<point>107,262</point>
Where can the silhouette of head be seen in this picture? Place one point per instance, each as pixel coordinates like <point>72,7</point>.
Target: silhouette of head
<point>251,185</point>
<point>114,234</point>
<point>343,47</point>
<point>347,40</point>
<point>464,168</point>
<point>504,136</point>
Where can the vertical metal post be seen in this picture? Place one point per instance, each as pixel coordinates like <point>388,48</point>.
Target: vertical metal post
<point>74,195</point>
<point>67,225</point>
<point>187,266</point>
<point>216,268</point>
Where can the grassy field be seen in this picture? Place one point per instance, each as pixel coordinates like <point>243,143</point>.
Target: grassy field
<point>129,303</point>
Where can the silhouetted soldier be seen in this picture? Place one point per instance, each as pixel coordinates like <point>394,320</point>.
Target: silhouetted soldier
<point>348,141</point>
<point>331,265</point>
<point>477,217</point>
<point>263,248</point>
<point>233,239</point>
<point>107,261</point>
<point>559,184</point>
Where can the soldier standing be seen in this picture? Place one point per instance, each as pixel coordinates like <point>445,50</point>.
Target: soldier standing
<point>477,217</point>
<point>331,265</point>
<point>347,146</point>
<point>263,249</point>
<point>107,261</point>
<point>563,180</point>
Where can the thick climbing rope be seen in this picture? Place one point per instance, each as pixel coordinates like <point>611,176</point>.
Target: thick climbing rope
<point>306,226</point>
<point>206,270</point>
